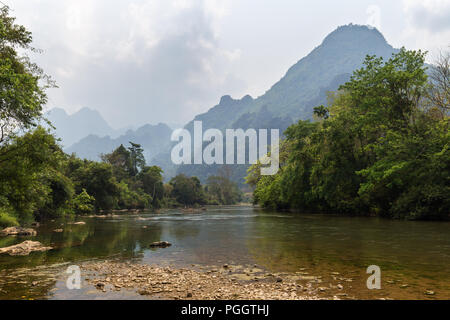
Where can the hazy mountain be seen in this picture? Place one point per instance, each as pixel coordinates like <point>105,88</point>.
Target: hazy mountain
<point>304,86</point>
<point>293,97</point>
<point>155,139</point>
<point>71,128</point>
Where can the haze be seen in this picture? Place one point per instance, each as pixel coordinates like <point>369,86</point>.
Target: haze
<point>150,61</point>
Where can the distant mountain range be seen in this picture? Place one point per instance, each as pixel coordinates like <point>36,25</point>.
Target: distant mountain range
<point>304,86</point>
<point>72,128</point>
<point>293,97</point>
<point>154,139</point>
<point>88,135</point>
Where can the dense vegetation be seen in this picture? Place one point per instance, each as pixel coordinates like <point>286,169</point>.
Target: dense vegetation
<point>381,147</point>
<point>39,181</point>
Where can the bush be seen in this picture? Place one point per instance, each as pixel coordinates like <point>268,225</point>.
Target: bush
<point>83,203</point>
<point>7,220</point>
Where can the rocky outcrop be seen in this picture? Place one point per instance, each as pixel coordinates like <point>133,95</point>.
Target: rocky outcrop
<point>24,248</point>
<point>18,231</point>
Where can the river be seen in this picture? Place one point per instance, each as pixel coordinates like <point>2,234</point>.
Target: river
<point>414,256</point>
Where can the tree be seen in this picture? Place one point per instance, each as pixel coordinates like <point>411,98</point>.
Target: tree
<point>137,158</point>
<point>221,189</point>
<point>377,149</point>
<point>83,203</point>
<point>97,179</point>
<point>121,161</point>
<point>437,98</point>
<point>22,83</point>
<point>152,184</point>
<point>187,190</point>
<point>31,182</point>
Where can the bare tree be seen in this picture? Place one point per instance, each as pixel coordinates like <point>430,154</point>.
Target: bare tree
<point>438,95</point>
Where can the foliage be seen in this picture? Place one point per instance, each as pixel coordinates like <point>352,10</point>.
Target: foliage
<point>83,203</point>
<point>39,181</point>
<point>379,148</point>
<point>22,83</point>
<point>187,190</point>
<point>152,184</point>
<point>222,190</point>
<point>29,178</point>
<point>6,219</point>
<point>137,159</point>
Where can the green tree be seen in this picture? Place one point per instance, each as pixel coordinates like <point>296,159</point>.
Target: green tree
<point>380,147</point>
<point>152,184</point>
<point>222,189</point>
<point>137,158</point>
<point>121,161</point>
<point>187,190</point>
<point>22,83</point>
<point>98,180</point>
<point>31,182</point>
<point>83,203</point>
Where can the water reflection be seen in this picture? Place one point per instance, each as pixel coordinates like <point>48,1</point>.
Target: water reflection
<point>412,253</point>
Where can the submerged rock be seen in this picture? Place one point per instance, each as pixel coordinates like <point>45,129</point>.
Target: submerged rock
<point>160,244</point>
<point>24,248</point>
<point>79,223</point>
<point>18,231</point>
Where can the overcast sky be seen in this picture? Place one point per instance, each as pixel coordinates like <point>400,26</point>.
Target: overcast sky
<point>149,61</point>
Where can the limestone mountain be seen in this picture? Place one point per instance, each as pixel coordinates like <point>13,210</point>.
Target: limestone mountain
<point>303,87</point>
<point>293,97</point>
<point>71,128</point>
<point>305,84</point>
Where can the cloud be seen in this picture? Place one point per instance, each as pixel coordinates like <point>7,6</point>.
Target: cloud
<point>134,61</point>
<point>427,26</point>
<point>431,15</point>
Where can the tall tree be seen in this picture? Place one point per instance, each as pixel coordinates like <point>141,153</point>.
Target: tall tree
<point>137,158</point>
<point>152,184</point>
<point>22,83</point>
<point>121,161</point>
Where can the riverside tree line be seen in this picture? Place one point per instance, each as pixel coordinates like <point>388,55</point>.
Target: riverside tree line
<point>38,180</point>
<point>381,147</point>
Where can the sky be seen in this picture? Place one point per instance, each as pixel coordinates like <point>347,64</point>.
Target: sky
<point>150,61</point>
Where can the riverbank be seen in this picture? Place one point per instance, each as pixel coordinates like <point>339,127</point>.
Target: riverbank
<point>227,283</point>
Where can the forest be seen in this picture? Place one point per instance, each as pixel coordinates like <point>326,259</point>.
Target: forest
<point>380,147</point>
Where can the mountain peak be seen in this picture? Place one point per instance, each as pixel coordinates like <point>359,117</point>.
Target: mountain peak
<point>355,34</point>
<point>225,100</point>
<point>87,111</point>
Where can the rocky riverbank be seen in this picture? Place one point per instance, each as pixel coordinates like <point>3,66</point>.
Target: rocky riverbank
<point>226,282</point>
<point>24,248</point>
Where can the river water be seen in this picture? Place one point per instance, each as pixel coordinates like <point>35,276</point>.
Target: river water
<point>414,256</point>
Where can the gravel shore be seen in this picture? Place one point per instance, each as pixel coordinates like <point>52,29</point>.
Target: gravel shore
<point>227,282</point>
